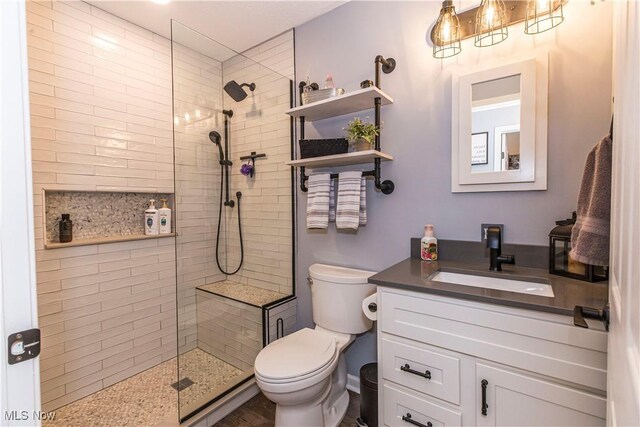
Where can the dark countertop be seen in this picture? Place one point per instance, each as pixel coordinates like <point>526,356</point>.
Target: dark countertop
<point>413,275</point>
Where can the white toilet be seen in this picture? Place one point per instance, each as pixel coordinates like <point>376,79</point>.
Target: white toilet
<point>305,373</point>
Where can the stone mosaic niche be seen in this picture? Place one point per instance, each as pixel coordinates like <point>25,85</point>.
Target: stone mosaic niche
<point>99,214</point>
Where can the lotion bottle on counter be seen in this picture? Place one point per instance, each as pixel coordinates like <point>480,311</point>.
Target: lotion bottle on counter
<point>151,219</point>
<point>429,245</point>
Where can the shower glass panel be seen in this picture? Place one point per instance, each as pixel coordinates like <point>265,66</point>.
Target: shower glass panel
<point>234,244</point>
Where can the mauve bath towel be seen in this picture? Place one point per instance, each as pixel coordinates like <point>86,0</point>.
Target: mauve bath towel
<point>590,234</point>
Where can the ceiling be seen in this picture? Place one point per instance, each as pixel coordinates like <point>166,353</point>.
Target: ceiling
<point>238,24</point>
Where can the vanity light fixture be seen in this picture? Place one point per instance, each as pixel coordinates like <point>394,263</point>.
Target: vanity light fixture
<point>447,32</point>
<point>491,23</point>
<point>543,15</point>
<point>488,23</point>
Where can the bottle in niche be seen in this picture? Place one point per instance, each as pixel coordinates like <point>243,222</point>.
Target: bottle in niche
<point>66,229</point>
<point>151,219</point>
<point>164,217</point>
<point>429,245</point>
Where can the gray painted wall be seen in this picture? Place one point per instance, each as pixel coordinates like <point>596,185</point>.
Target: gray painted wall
<point>417,131</point>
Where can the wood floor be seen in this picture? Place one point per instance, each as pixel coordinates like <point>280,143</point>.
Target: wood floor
<point>260,412</point>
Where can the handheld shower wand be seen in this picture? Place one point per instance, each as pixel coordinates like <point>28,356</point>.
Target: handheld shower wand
<point>216,138</point>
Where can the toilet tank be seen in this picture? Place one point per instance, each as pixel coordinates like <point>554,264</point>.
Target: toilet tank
<point>336,297</point>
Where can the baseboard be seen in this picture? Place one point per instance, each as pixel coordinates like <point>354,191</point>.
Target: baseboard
<point>353,383</point>
<point>217,411</point>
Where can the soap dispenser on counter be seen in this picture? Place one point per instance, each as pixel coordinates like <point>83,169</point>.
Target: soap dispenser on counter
<point>164,217</point>
<point>429,245</point>
<point>151,219</point>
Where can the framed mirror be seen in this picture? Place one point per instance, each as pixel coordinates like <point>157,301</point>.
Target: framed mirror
<point>499,128</point>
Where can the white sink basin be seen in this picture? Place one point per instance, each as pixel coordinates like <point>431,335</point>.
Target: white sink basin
<point>510,285</point>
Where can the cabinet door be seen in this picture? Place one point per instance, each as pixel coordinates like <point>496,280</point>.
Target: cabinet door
<point>507,398</point>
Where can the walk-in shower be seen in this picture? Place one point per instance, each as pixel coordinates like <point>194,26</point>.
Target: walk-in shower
<point>142,330</point>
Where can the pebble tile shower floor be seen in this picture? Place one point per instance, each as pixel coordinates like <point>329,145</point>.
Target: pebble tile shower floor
<point>147,399</point>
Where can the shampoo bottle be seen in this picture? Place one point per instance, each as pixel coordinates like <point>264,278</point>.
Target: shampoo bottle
<point>164,217</point>
<point>66,229</point>
<point>151,219</point>
<point>429,245</point>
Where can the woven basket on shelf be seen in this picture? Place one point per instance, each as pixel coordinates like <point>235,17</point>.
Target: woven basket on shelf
<point>322,147</point>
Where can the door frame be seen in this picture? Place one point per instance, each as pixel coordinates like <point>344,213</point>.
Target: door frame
<point>19,383</point>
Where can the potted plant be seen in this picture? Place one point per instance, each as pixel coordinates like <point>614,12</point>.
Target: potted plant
<point>361,134</point>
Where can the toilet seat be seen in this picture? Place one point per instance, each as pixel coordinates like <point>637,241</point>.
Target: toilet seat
<point>301,355</point>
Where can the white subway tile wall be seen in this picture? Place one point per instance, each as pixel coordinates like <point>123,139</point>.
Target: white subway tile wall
<point>101,105</point>
<point>100,90</point>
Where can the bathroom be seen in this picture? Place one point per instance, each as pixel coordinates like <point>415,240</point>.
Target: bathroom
<point>200,103</point>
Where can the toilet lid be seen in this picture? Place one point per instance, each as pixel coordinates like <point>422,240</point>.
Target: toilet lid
<point>296,355</point>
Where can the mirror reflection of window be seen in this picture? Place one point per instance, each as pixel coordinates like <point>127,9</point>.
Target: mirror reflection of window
<point>495,113</point>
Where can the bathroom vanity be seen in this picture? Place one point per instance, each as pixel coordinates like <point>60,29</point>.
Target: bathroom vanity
<point>468,355</point>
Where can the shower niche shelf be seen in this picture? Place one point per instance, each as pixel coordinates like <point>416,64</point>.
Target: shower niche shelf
<point>102,240</point>
<point>359,100</point>
<point>99,217</point>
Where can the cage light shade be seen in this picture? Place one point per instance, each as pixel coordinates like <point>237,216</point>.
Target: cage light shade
<point>543,15</point>
<point>446,32</point>
<point>491,23</point>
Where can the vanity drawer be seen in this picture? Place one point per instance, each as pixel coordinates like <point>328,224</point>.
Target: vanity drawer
<point>398,404</point>
<point>423,369</point>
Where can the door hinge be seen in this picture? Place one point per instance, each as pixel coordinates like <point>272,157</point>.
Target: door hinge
<point>23,346</point>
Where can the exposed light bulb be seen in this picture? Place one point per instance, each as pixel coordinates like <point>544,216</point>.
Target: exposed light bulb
<point>489,15</point>
<point>161,1</point>
<point>446,32</point>
<point>543,6</point>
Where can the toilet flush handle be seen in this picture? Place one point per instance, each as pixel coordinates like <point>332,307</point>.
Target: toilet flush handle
<point>309,280</point>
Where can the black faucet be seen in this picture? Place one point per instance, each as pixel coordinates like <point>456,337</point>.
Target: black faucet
<point>494,243</point>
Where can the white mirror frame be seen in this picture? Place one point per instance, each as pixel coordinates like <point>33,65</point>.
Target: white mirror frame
<point>532,174</point>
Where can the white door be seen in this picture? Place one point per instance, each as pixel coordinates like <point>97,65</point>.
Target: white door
<point>623,370</point>
<point>508,398</point>
<point>20,382</point>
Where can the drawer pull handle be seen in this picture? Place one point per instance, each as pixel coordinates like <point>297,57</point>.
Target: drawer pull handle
<point>484,384</point>
<point>407,419</point>
<point>407,368</point>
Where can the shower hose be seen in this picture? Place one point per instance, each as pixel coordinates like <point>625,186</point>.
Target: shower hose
<point>238,195</point>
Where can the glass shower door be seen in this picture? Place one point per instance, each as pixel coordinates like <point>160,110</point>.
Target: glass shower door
<point>220,316</point>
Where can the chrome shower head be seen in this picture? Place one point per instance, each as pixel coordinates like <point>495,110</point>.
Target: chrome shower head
<point>235,91</point>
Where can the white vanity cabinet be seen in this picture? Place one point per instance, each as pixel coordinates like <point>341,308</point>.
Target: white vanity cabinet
<point>449,362</point>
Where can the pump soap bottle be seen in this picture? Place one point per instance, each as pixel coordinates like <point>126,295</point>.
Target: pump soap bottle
<point>164,217</point>
<point>429,245</point>
<point>151,219</point>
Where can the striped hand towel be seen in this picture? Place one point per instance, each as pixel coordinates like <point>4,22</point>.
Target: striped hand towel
<point>332,201</point>
<point>318,201</point>
<point>363,201</point>
<point>348,204</point>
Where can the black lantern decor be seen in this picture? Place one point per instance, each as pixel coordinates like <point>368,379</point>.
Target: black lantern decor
<point>560,262</point>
